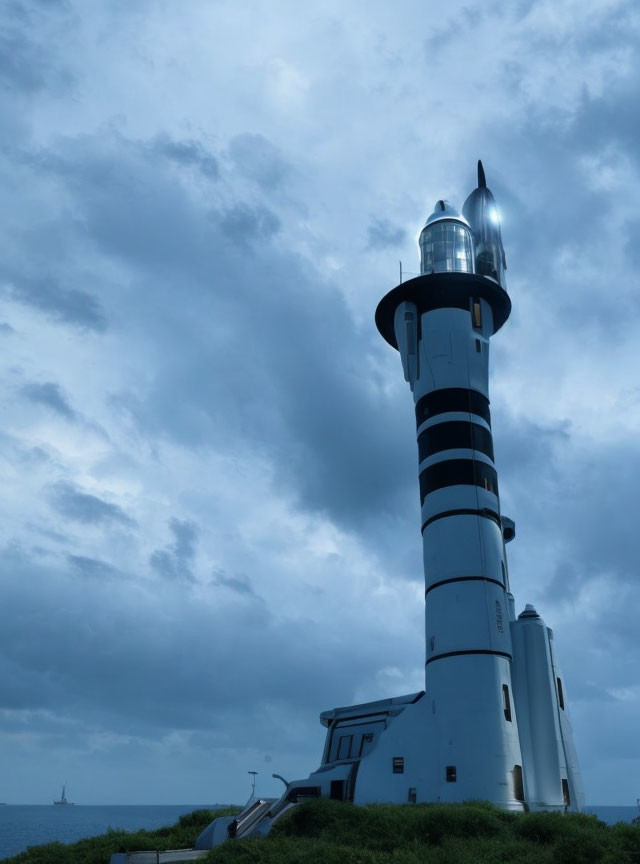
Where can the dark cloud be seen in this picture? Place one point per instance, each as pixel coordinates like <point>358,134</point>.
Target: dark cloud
<point>246,224</point>
<point>176,561</point>
<point>69,305</point>
<point>565,583</point>
<point>322,426</point>
<point>107,659</point>
<point>239,584</point>
<point>257,158</point>
<point>188,153</point>
<point>27,64</point>
<point>81,507</point>
<point>50,395</point>
<point>20,64</point>
<point>608,119</point>
<point>93,568</point>
<point>526,447</point>
<point>131,207</point>
<point>382,234</point>
<point>552,477</point>
<point>443,32</point>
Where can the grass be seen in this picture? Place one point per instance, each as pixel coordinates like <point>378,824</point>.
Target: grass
<point>330,832</point>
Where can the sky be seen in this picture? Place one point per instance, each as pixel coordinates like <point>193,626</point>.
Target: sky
<point>210,520</point>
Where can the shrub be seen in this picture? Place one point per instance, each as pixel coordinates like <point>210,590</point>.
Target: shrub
<point>625,840</point>
<point>580,847</point>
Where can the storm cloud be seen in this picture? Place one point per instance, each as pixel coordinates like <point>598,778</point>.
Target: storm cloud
<point>50,395</point>
<point>71,503</point>
<point>211,524</point>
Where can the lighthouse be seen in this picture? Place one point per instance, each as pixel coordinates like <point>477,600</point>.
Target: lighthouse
<point>492,722</point>
<point>441,323</point>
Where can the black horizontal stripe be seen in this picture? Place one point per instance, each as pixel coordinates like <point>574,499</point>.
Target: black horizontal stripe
<point>452,399</point>
<point>461,653</point>
<point>454,434</point>
<point>463,511</point>
<point>462,579</point>
<point>457,472</point>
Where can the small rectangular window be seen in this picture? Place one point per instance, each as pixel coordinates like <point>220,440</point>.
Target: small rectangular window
<point>344,748</point>
<point>565,792</point>
<point>506,702</point>
<point>337,790</point>
<point>560,694</point>
<point>477,314</point>
<point>451,774</point>
<point>412,795</point>
<point>398,764</point>
<point>518,787</point>
<point>478,346</point>
<point>367,738</point>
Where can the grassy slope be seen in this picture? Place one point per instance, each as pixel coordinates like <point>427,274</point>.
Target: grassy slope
<point>328,832</point>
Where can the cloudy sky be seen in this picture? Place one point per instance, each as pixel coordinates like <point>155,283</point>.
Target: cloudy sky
<point>210,521</point>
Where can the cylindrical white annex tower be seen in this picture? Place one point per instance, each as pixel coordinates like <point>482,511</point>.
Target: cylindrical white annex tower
<point>441,322</point>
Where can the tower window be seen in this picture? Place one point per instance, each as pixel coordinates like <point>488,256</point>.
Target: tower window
<point>518,787</point>
<point>560,694</point>
<point>398,764</point>
<point>478,346</point>
<point>565,792</point>
<point>344,748</point>
<point>451,774</point>
<point>412,795</point>
<point>446,246</point>
<point>506,702</point>
<point>476,314</point>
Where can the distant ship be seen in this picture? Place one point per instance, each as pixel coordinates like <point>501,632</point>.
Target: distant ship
<point>63,797</point>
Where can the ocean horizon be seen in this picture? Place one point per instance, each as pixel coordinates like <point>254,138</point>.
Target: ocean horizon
<point>23,825</point>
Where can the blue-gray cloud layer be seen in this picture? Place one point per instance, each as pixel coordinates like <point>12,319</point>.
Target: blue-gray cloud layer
<point>229,540</point>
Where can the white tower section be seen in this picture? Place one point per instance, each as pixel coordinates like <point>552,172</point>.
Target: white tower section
<point>441,322</point>
<point>442,330</point>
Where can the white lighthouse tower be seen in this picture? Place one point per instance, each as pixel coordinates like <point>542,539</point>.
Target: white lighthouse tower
<point>441,324</point>
<point>492,721</point>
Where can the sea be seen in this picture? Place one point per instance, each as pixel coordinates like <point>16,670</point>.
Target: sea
<point>23,825</point>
